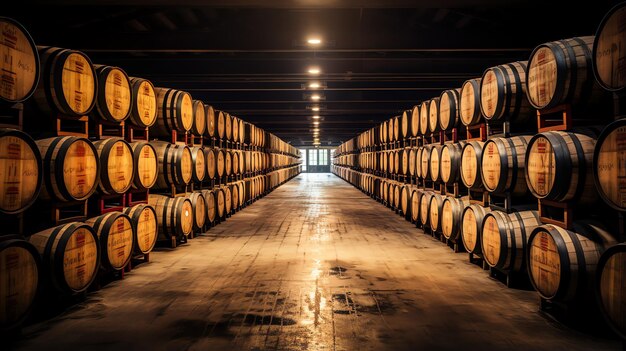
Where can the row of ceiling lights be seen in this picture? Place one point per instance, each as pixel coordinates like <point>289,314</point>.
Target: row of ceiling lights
<point>315,97</point>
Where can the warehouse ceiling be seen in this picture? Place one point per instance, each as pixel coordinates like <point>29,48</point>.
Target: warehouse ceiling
<point>251,58</point>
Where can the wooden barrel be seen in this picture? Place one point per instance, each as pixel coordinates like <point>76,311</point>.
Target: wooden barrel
<point>198,159</point>
<point>390,128</point>
<point>424,117</point>
<point>435,163</point>
<point>234,191</point>
<point>396,128</point>
<point>469,103</point>
<point>210,205</point>
<point>404,124</point>
<point>220,203</point>
<point>416,196</point>
<point>143,111</point>
<point>418,161</point>
<point>199,118</point>
<point>608,159</point>
<point>471,227</point>
<point>175,215</point>
<point>611,287</point>
<point>562,263</point>
<point>234,156</point>
<point>220,119</point>
<point>451,216</point>
<point>397,162</point>
<point>228,200</point>
<point>242,130</point>
<point>174,112</point>
<point>412,157</point>
<point>175,164</point>
<point>503,165</point>
<point>145,165</point>
<point>228,126</point>
<point>505,236</point>
<point>145,227</point>
<point>449,109</point>
<point>114,98</point>
<point>560,72</point>
<point>70,168</point>
<point>425,161</point>
<point>68,82</point>
<point>415,121</point>
<point>471,160</point>
<point>242,192</point>
<point>235,127</point>
<point>219,162</point>
<point>211,163</point>
<point>211,130</point>
<point>20,268</point>
<point>20,65</point>
<point>228,163</point>
<point>433,115</point>
<point>405,200</point>
<point>559,167</point>
<point>503,93</point>
<point>384,134</point>
<point>21,170</point>
<point>450,163</point>
<point>115,232</point>
<point>198,205</point>
<point>117,165</point>
<point>70,256</point>
<point>607,55</point>
<point>435,209</point>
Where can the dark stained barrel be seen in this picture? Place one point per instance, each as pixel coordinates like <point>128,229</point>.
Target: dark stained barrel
<point>609,167</point>
<point>611,287</point>
<point>608,56</point>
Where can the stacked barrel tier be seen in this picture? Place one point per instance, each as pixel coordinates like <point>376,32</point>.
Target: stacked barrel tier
<point>21,171</point>
<point>69,83</point>
<point>20,65</point>
<point>20,265</point>
<point>560,72</point>
<point>503,94</point>
<point>559,167</point>
<point>562,263</point>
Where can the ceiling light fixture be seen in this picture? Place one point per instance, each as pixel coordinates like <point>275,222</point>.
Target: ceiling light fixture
<point>314,41</point>
<point>315,108</point>
<point>316,117</point>
<point>314,85</point>
<point>314,70</point>
<point>316,123</point>
<point>315,97</point>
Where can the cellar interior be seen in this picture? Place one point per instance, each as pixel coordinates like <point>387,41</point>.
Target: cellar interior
<point>312,175</point>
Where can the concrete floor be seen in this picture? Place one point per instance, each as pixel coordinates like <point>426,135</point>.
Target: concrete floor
<point>316,265</point>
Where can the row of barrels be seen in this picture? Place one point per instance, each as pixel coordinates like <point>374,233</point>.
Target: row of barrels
<point>66,259</point>
<point>577,71</point>
<point>66,82</point>
<point>72,168</point>
<point>559,166</point>
<point>568,266</point>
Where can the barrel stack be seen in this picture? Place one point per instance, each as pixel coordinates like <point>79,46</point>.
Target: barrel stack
<point>538,207</point>
<point>125,167</point>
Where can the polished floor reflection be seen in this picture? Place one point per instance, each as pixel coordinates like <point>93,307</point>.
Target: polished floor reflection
<point>316,265</point>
